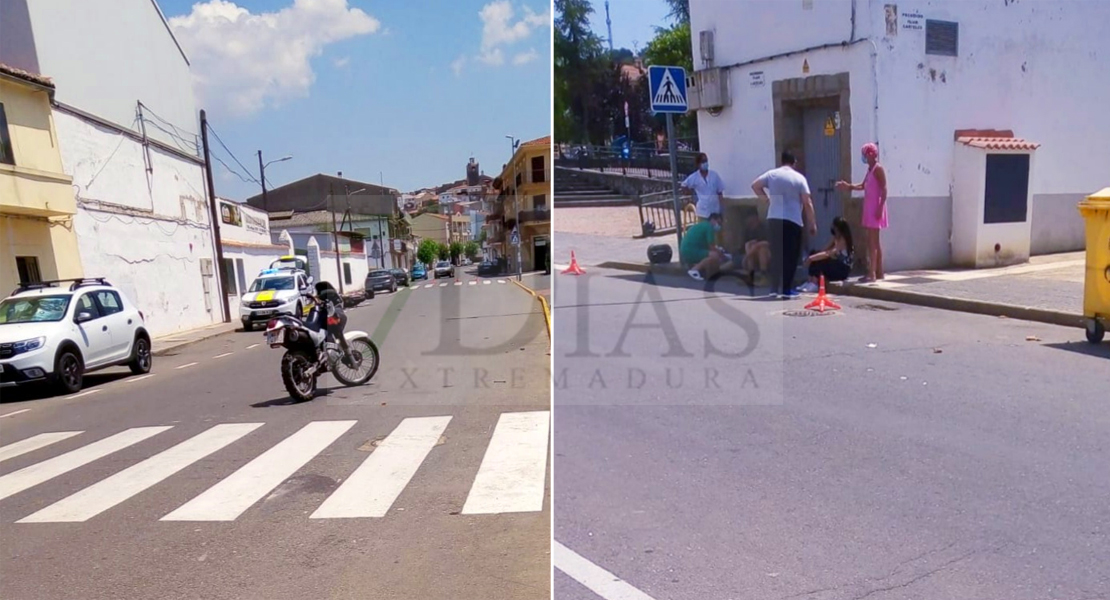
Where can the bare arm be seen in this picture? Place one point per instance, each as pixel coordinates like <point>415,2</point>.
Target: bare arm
<point>760,190</point>
<point>810,214</point>
<point>880,176</point>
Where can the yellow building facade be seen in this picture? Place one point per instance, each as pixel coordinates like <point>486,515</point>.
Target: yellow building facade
<point>37,204</point>
<point>526,205</point>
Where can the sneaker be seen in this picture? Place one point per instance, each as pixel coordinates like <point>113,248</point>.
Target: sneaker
<point>809,288</point>
<point>789,295</point>
<point>695,274</point>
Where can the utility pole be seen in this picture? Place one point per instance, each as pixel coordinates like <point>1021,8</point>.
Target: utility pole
<point>335,238</point>
<point>609,25</point>
<point>262,177</point>
<point>215,212</point>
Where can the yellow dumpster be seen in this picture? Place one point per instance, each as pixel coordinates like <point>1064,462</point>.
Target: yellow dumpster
<point>1096,292</point>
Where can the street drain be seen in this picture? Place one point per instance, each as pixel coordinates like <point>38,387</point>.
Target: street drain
<point>807,313</point>
<point>879,307</point>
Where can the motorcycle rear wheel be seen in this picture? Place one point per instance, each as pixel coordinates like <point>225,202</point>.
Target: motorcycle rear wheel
<point>366,352</point>
<point>296,374</point>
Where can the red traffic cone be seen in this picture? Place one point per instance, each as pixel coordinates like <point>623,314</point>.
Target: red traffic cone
<point>823,301</point>
<point>574,269</point>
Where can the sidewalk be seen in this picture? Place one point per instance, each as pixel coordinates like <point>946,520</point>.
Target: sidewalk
<point>166,344</point>
<point>1047,289</point>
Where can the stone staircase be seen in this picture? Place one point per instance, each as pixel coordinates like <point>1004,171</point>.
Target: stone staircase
<point>574,190</point>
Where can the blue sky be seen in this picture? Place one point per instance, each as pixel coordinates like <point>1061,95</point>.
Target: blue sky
<point>634,21</point>
<point>376,89</point>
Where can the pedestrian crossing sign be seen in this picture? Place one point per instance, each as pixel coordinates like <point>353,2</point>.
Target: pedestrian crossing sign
<point>667,89</point>
<point>514,238</point>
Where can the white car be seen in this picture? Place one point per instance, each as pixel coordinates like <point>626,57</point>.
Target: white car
<point>275,292</point>
<point>55,334</point>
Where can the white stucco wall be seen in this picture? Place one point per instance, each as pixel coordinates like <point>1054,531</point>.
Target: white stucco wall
<point>1036,68</point>
<point>105,55</point>
<point>254,229</point>
<point>146,233</point>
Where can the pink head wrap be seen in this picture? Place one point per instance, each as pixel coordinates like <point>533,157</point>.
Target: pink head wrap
<point>870,150</point>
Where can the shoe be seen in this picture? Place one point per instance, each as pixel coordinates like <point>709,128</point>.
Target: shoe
<point>809,288</point>
<point>695,274</point>
<point>789,295</point>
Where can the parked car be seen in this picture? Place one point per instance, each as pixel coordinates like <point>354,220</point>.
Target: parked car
<point>444,269</point>
<point>487,268</point>
<point>54,334</point>
<point>275,292</point>
<point>419,273</point>
<point>381,280</point>
<point>401,276</point>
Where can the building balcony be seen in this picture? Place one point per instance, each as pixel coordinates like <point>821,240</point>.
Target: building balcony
<point>30,192</point>
<point>535,216</point>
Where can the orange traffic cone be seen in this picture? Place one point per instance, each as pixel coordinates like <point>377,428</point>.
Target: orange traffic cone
<point>574,269</point>
<point>823,301</point>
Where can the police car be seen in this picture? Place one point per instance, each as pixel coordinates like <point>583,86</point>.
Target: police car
<point>275,292</point>
<point>55,333</point>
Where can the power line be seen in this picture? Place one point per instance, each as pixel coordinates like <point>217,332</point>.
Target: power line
<point>232,154</point>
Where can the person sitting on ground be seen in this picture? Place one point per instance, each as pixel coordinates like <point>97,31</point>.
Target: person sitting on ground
<point>757,247</point>
<point>835,262</point>
<point>700,251</point>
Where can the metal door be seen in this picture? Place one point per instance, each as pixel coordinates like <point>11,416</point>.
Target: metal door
<point>822,169</point>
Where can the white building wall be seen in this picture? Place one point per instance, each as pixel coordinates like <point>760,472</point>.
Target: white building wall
<point>1036,68</point>
<point>146,233</point>
<point>107,54</point>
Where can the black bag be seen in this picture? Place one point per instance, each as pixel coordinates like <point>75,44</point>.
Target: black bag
<point>659,254</point>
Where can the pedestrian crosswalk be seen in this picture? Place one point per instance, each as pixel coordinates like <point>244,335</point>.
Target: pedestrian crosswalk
<point>452,284</point>
<point>510,478</point>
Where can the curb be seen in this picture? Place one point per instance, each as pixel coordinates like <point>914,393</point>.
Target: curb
<point>543,305</point>
<point>980,307</point>
<point>201,338</point>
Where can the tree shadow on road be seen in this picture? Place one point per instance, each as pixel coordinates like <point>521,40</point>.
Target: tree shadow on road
<point>42,391</point>
<point>1083,347</point>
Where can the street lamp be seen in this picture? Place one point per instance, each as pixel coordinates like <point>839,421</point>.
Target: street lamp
<point>262,175</point>
<point>516,201</point>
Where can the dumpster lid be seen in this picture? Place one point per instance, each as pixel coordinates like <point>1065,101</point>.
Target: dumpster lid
<point>1101,198</point>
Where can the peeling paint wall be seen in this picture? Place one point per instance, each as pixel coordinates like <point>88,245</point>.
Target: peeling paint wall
<point>147,233</point>
<point>1033,66</point>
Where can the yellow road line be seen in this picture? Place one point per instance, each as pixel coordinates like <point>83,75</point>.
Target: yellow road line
<point>543,305</point>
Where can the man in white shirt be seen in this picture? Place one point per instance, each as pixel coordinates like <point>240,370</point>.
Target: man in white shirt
<point>707,187</point>
<point>790,208</point>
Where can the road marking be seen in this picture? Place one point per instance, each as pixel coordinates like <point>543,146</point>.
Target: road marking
<point>14,413</point>
<point>29,477</point>
<point>429,285</point>
<point>84,393</point>
<point>458,283</point>
<point>134,379</point>
<point>598,580</point>
<point>109,492</point>
<point>186,366</point>
<point>373,488</point>
<point>443,285</point>
<point>511,478</point>
<point>500,281</point>
<point>222,355</point>
<point>232,496</point>
<point>252,346</point>
<point>487,282</point>
<point>472,283</point>
<point>34,443</point>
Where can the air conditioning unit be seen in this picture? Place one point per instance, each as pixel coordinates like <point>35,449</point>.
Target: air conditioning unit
<point>708,90</point>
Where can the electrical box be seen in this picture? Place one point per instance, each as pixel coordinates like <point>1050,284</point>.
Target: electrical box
<point>708,89</point>
<point>706,40</point>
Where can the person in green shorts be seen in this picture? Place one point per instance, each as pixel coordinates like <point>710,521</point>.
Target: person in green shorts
<point>700,251</point>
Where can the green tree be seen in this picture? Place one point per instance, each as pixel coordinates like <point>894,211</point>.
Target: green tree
<point>472,250</point>
<point>578,62</point>
<point>427,251</point>
<point>443,251</point>
<point>672,46</point>
<point>456,250</point>
<point>680,11</point>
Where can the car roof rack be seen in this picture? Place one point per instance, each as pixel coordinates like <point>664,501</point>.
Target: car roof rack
<point>76,283</point>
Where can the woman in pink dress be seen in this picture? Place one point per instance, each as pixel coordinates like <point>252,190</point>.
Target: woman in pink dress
<point>874,217</point>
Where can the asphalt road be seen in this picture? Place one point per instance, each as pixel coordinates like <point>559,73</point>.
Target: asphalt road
<point>445,453</point>
<point>882,452</point>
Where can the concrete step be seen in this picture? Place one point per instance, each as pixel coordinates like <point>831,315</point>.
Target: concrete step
<point>585,192</point>
<point>602,196</point>
<point>579,203</point>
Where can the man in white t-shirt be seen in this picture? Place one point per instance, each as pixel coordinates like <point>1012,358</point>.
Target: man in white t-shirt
<point>790,208</point>
<point>707,187</point>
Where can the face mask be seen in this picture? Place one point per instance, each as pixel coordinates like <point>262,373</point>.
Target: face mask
<point>716,227</point>
<point>863,159</point>
<point>704,167</point>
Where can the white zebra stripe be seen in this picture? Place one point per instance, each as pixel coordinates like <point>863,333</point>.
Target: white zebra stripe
<point>34,443</point>
<point>513,471</point>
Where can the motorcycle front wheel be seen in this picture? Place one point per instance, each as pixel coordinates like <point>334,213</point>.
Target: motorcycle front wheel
<point>364,354</point>
<point>297,375</point>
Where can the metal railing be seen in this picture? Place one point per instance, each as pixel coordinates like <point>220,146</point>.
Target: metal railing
<point>657,213</point>
<point>535,216</point>
<point>642,162</point>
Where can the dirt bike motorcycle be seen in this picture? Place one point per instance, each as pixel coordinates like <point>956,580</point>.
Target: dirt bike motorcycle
<point>318,344</point>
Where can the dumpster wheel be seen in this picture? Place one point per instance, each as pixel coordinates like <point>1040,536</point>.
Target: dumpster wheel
<point>1095,330</point>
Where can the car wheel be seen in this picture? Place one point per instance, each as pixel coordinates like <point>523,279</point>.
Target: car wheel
<point>248,326</point>
<point>141,357</point>
<point>69,372</point>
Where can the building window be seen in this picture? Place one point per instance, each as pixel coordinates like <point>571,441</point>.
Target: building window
<point>347,273</point>
<point>538,175</point>
<point>539,202</point>
<point>1007,188</point>
<point>6,155</point>
<point>28,269</point>
<point>942,38</point>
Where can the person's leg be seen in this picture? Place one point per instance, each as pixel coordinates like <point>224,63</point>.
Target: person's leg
<point>775,232</point>
<point>871,258</point>
<point>879,274</point>
<point>763,253</point>
<point>792,244</point>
